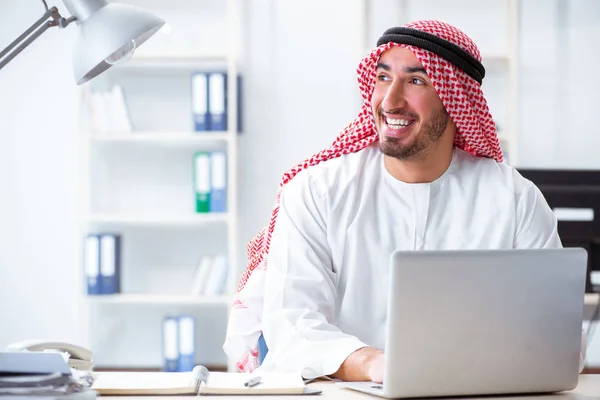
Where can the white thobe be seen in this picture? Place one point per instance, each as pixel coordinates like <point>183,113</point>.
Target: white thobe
<point>339,222</point>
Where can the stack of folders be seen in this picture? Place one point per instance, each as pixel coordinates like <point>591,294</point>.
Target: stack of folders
<point>102,263</point>
<point>209,101</point>
<point>210,278</point>
<point>210,181</point>
<point>179,343</point>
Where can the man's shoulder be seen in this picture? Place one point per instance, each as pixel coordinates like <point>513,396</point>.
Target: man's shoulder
<point>498,174</point>
<point>336,172</point>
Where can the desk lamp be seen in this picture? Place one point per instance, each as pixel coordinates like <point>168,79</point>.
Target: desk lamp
<point>108,34</point>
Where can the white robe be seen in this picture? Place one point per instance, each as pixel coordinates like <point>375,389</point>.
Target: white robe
<point>339,222</point>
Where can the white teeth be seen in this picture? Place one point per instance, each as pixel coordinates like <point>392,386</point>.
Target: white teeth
<point>402,122</point>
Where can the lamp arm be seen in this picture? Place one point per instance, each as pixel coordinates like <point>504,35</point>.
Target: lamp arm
<point>32,33</point>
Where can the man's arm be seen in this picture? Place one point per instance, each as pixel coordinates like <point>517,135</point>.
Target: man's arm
<point>537,226</point>
<point>301,291</point>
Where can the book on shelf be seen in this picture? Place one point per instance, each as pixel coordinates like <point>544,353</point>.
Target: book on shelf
<point>210,181</point>
<point>186,343</point>
<point>108,110</point>
<point>178,343</point>
<point>102,263</point>
<point>218,182</point>
<point>210,278</point>
<point>210,101</point>
<point>170,349</point>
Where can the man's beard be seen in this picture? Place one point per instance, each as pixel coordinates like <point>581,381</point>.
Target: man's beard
<point>427,135</point>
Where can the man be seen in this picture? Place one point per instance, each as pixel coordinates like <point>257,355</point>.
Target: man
<point>420,168</point>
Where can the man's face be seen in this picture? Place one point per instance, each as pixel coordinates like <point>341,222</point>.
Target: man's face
<point>409,114</point>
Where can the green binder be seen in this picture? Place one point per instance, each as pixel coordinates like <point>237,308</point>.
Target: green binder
<point>202,181</point>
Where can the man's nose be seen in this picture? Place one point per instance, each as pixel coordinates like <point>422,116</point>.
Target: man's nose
<point>395,97</point>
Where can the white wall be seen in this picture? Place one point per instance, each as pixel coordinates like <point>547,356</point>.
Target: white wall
<point>38,172</point>
<point>300,90</point>
<point>559,84</point>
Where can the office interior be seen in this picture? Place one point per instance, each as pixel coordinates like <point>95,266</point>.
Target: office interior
<point>66,173</point>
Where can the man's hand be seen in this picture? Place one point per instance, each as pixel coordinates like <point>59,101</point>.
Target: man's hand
<point>365,364</point>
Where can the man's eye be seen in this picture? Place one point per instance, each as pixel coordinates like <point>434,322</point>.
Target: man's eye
<point>418,81</point>
<point>383,78</point>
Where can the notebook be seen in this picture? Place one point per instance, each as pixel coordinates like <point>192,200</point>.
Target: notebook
<point>181,383</point>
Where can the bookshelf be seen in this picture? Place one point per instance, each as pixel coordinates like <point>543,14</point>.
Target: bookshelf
<point>133,299</point>
<point>137,178</point>
<point>499,52</point>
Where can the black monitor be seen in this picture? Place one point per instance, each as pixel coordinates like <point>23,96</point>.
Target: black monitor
<point>574,195</point>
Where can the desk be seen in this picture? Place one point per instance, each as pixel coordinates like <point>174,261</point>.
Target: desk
<point>589,385</point>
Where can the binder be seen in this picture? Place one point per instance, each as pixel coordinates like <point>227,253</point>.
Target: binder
<point>217,101</point>
<point>218,181</point>
<point>202,181</point>
<point>200,101</point>
<point>109,263</point>
<point>92,264</point>
<point>186,341</point>
<point>170,345</point>
<point>201,277</point>
<point>216,283</point>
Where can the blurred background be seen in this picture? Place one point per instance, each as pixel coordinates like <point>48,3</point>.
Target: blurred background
<point>126,202</point>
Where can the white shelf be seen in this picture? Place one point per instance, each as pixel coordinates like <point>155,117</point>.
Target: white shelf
<point>140,184</point>
<point>180,138</point>
<point>183,62</point>
<point>159,299</point>
<point>153,219</point>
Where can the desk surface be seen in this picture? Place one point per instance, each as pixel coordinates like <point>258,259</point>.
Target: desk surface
<point>589,385</point>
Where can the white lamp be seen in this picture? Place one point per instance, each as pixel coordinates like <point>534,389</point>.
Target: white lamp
<point>108,33</point>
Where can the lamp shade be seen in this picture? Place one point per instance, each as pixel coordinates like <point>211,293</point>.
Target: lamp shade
<point>110,34</point>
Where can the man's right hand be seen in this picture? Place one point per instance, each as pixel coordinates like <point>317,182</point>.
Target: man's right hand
<point>365,364</point>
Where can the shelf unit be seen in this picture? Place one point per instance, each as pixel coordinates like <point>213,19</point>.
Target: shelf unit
<point>159,299</point>
<point>499,56</point>
<point>162,237</point>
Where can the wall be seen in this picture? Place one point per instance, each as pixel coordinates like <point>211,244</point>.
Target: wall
<point>38,169</point>
<point>559,84</point>
<point>301,92</point>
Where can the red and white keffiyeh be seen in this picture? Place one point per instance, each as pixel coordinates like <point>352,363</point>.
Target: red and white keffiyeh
<point>476,133</point>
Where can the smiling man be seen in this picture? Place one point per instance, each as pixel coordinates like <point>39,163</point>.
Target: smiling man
<point>419,169</point>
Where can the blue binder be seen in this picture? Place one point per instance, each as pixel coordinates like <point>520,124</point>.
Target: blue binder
<point>187,343</point>
<point>109,263</point>
<point>218,181</point>
<point>170,345</point>
<point>217,101</point>
<point>92,264</point>
<point>200,101</point>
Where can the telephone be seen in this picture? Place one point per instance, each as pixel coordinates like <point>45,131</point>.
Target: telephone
<point>79,357</point>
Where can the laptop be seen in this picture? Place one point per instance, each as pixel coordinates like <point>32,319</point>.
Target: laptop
<point>482,322</point>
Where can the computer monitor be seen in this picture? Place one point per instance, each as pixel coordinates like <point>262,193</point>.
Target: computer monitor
<point>574,195</point>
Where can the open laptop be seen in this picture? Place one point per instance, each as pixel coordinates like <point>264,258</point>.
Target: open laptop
<point>482,322</point>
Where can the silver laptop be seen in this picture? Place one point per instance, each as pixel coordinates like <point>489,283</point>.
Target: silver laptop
<point>482,322</point>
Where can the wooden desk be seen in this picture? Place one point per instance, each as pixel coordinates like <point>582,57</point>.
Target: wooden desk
<point>589,385</point>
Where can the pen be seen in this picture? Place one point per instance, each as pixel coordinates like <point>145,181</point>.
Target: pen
<point>252,381</point>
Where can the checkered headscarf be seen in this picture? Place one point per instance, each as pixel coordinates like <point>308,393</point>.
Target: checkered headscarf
<point>461,95</point>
